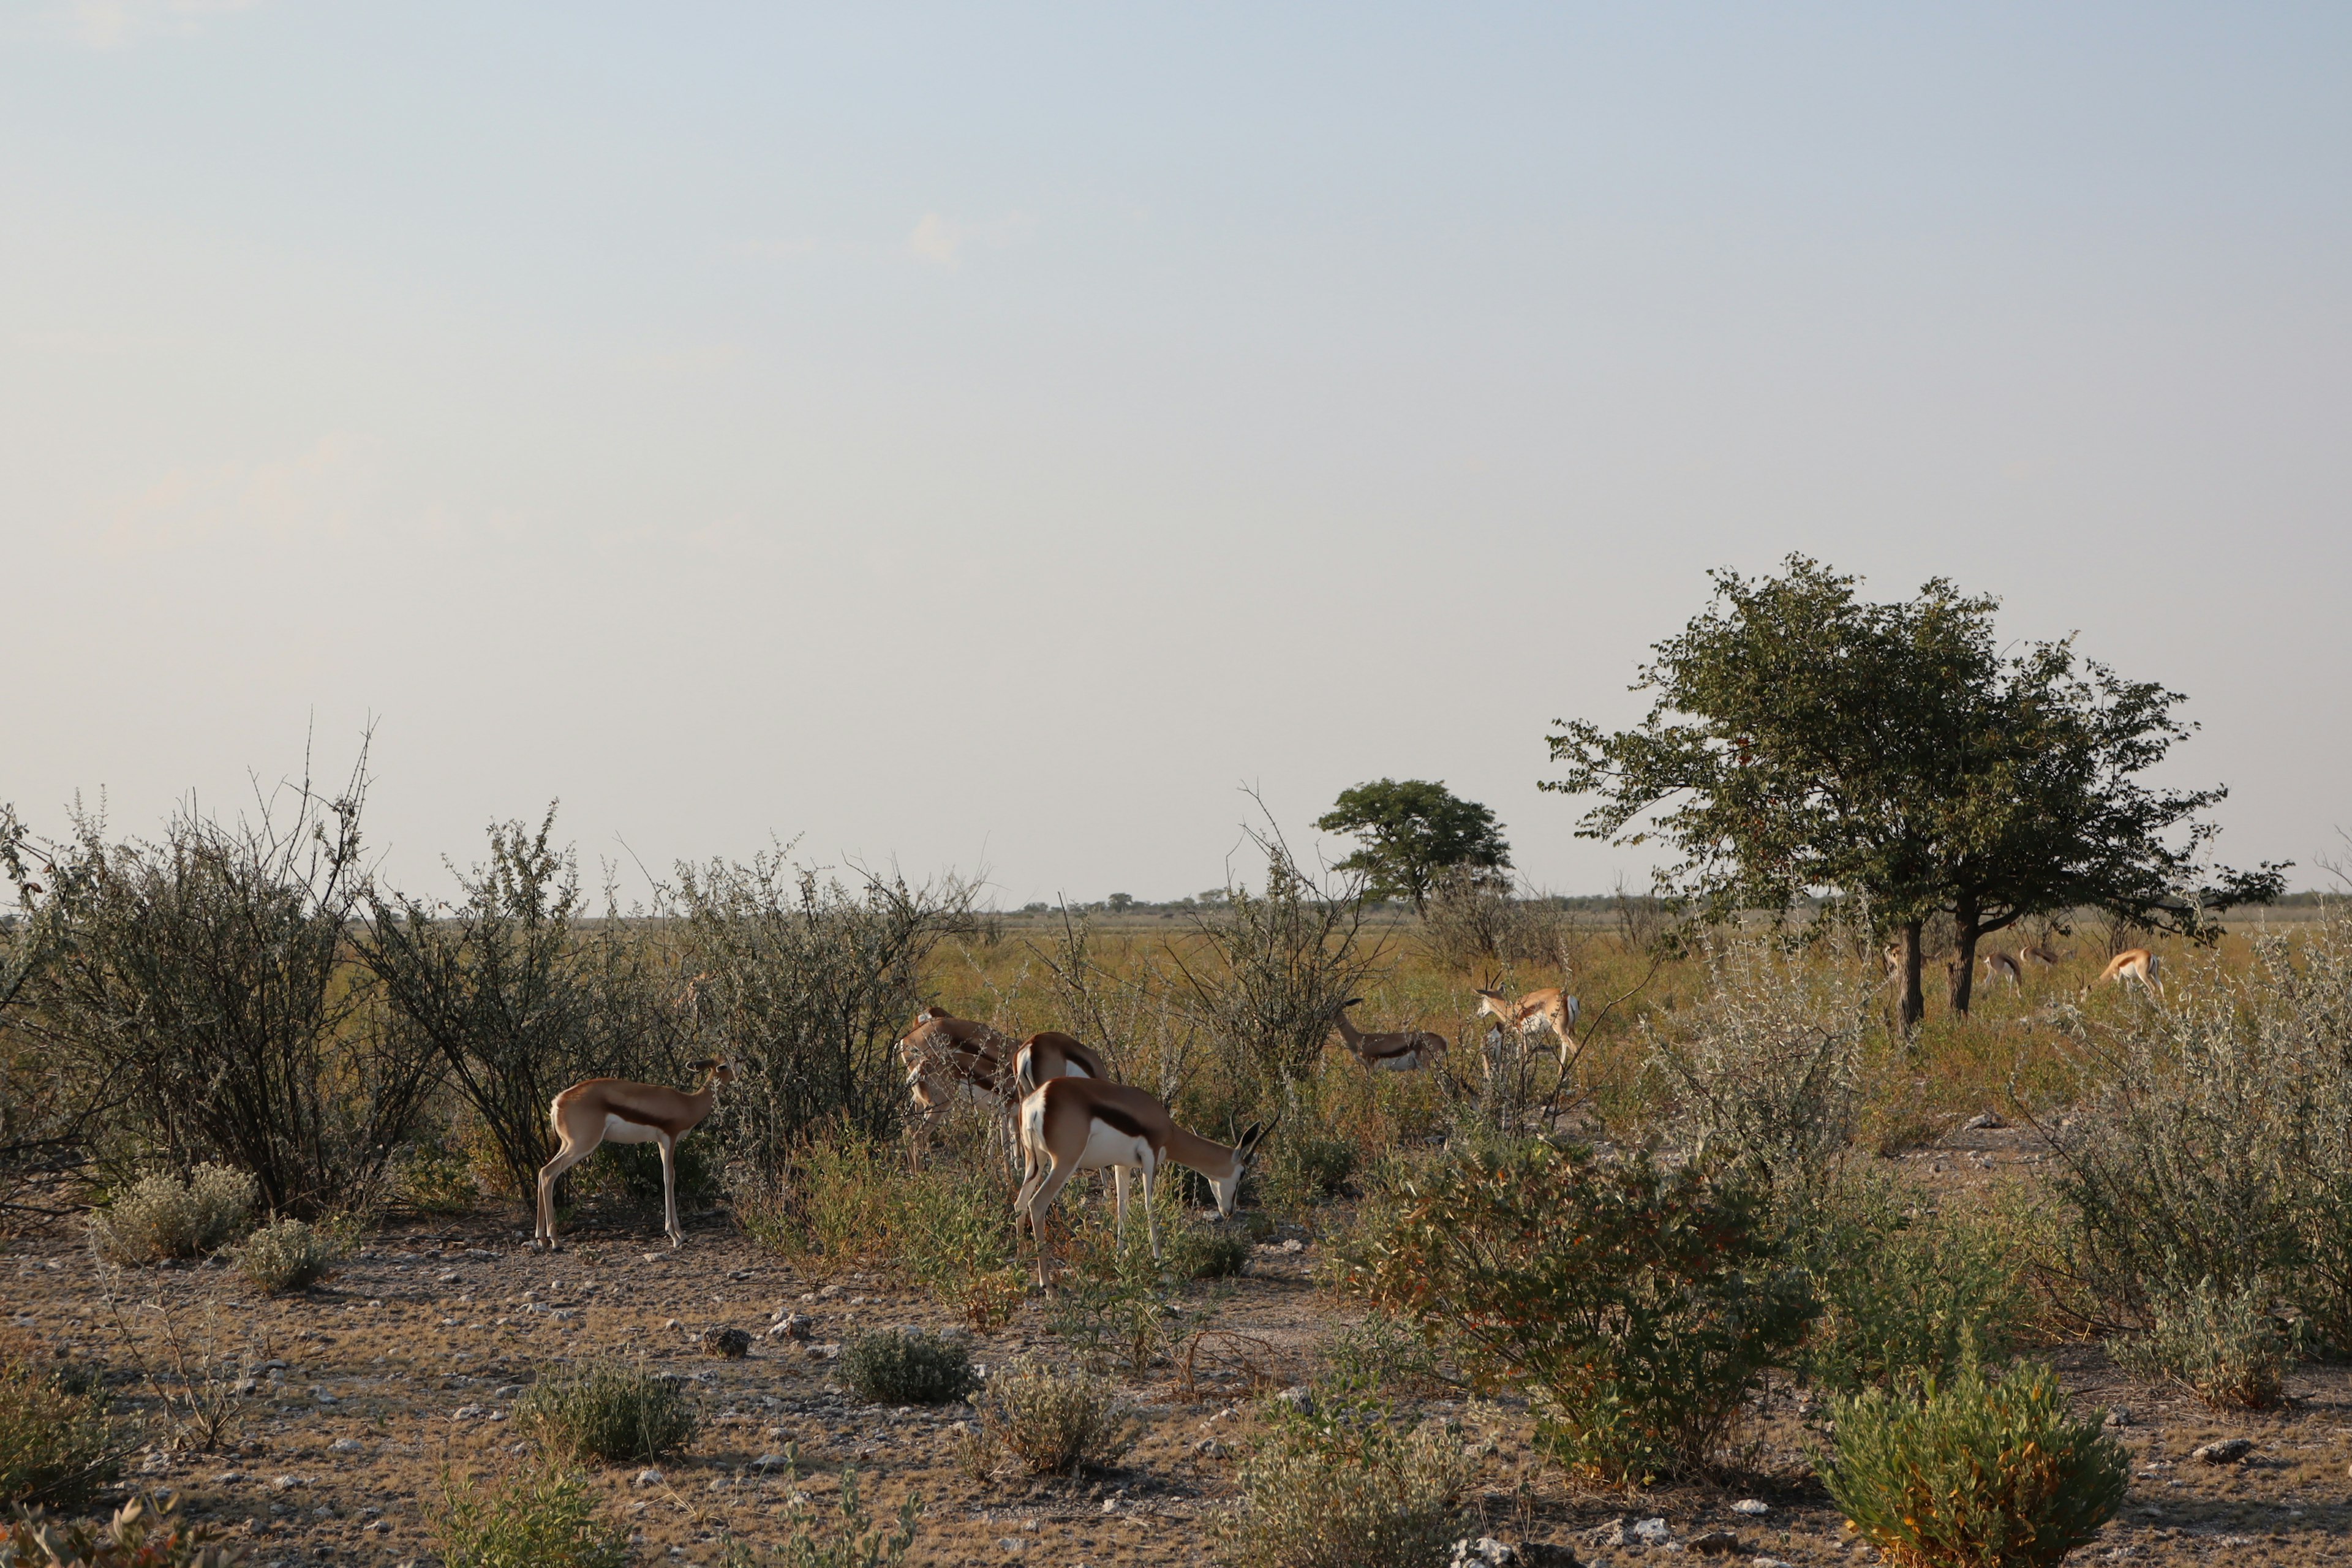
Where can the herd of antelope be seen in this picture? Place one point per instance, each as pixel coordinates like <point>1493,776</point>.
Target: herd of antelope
<point>1068,1115</point>
<point>2135,964</point>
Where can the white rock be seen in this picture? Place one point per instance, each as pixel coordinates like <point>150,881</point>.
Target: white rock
<point>1649,1531</point>
<point>345,1446</point>
<point>649,1478</point>
<point>1751,1507</point>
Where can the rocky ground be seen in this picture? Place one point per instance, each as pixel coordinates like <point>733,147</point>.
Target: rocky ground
<point>370,1390</point>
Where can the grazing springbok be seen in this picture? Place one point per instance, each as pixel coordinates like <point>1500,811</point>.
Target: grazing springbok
<point>946,1055</point>
<point>1073,1124</point>
<point>2135,964</point>
<point>615,1110</point>
<point>1534,1013</point>
<point>2003,968</point>
<point>2042,955</point>
<point>1403,1050</point>
<point>1052,1054</point>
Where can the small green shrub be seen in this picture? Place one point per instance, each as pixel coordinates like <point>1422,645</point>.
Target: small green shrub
<point>56,1445</point>
<point>1635,1307</point>
<point>1360,1494</point>
<point>954,1235</point>
<point>145,1533</point>
<point>541,1518</point>
<point>287,1255</point>
<point>908,1366</point>
<point>2217,1340</point>
<point>434,1179</point>
<point>1057,1420</point>
<point>1904,1294</point>
<point>164,1216</point>
<point>607,1414</point>
<point>844,1536</point>
<point>1207,1252</point>
<point>1112,1296</point>
<point>1304,1168</point>
<point>1967,1472</point>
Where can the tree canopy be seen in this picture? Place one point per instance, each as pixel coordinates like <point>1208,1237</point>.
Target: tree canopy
<point>1804,741</point>
<point>1412,831</point>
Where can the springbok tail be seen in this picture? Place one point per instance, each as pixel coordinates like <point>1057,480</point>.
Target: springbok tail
<point>1024,1072</point>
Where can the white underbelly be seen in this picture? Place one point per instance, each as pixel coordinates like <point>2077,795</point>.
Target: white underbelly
<point>618,1130</point>
<point>1108,1146</point>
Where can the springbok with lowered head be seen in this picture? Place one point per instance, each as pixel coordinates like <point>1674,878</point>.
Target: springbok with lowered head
<point>1401,1050</point>
<point>947,1057</point>
<point>2003,969</point>
<point>1073,1124</point>
<point>599,1111</point>
<point>2137,964</point>
<point>1534,1013</point>
<point>1052,1054</point>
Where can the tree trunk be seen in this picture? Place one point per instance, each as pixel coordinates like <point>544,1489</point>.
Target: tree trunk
<point>1964,966</point>
<point>1915,1000</point>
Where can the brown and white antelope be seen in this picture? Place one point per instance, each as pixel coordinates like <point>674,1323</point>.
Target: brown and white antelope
<point>2135,964</point>
<point>2044,956</point>
<point>1401,1050</point>
<point>1534,1013</point>
<point>1052,1054</point>
<point>1073,1124</point>
<point>600,1111</point>
<point>2003,969</point>
<point>946,1056</point>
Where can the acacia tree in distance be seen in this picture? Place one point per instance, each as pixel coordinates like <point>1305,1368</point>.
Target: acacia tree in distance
<point>1411,831</point>
<point>1803,739</point>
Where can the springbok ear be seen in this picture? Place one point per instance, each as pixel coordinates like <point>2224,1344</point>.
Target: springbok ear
<point>1247,1142</point>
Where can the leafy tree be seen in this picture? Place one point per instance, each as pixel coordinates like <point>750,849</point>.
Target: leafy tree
<point>1804,740</point>
<point>1411,831</point>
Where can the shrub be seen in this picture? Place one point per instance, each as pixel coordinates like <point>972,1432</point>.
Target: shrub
<point>287,1255</point>
<point>844,1536</point>
<point>1304,1168</point>
<point>1057,1420</point>
<point>145,1533</point>
<point>954,1237</point>
<point>1354,1495</point>
<point>162,1216</point>
<point>1206,1252</point>
<point>1904,1294</point>
<point>2220,1144</point>
<point>56,1445</point>
<point>1634,1307</point>
<point>609,1413</point>
<point>2216,1340</point>
<point>541,1518</point>
<point>1969,1472</point>
<point>432,1178</point>
<point>908,1366</point>
<point>1762,1071</point>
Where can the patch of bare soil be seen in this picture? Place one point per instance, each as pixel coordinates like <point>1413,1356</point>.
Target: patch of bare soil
<point>403,1367</point>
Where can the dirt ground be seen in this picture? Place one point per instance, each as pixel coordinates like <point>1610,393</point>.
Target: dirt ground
<point>403,1367</point>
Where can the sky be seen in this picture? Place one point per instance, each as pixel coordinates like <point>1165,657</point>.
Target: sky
<point>986,438</point>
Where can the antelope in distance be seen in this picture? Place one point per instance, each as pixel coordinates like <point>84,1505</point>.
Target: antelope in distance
<point>1073,1124</point>
<point>600,1111</point>
<point>2042,955</point>
<point>947,1057</point>
<point>1536,1011</point>
<point>2137,964</point>
<point>2003,969</point>
<point>1403,1050</point>
<point>1051,1054</point>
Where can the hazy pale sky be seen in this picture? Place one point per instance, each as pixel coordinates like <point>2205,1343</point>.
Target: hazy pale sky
<point>987,435</point>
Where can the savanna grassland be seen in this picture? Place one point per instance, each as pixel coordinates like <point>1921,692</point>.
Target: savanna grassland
<point>1392,1345</point>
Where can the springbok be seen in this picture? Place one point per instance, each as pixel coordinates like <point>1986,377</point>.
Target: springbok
<point>615,1110</point>
<point>1052,1054</point>
<point>1073,1124</point>
<point>2043,955</point>
<point>946,1055</point>
<point>1403,1050</point>
<point>2003,968</point>
<point>2135,964</point>
<point>1535,1012</point>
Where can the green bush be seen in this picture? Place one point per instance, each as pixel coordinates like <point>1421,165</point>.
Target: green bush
<point>1206,1252</point>
<point>2219,1342</point>
<point>145,1533</point>
<point>1903,1294</point>
<point>908,1366</point>
<point>541,1518</point>
<point>1966,1472</point>
<point>434,1179</point>
<point>1358,1494</point>
<point>1634,1307</point>
<point>164,1216</point>
<point>57,1447</point>
<point>953,1230</point>
<point>287,1255</point>
<point>1304,1168</point>
<point>1057,1420</point>
<point>844,1536</point>
<point>609,1413</point>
